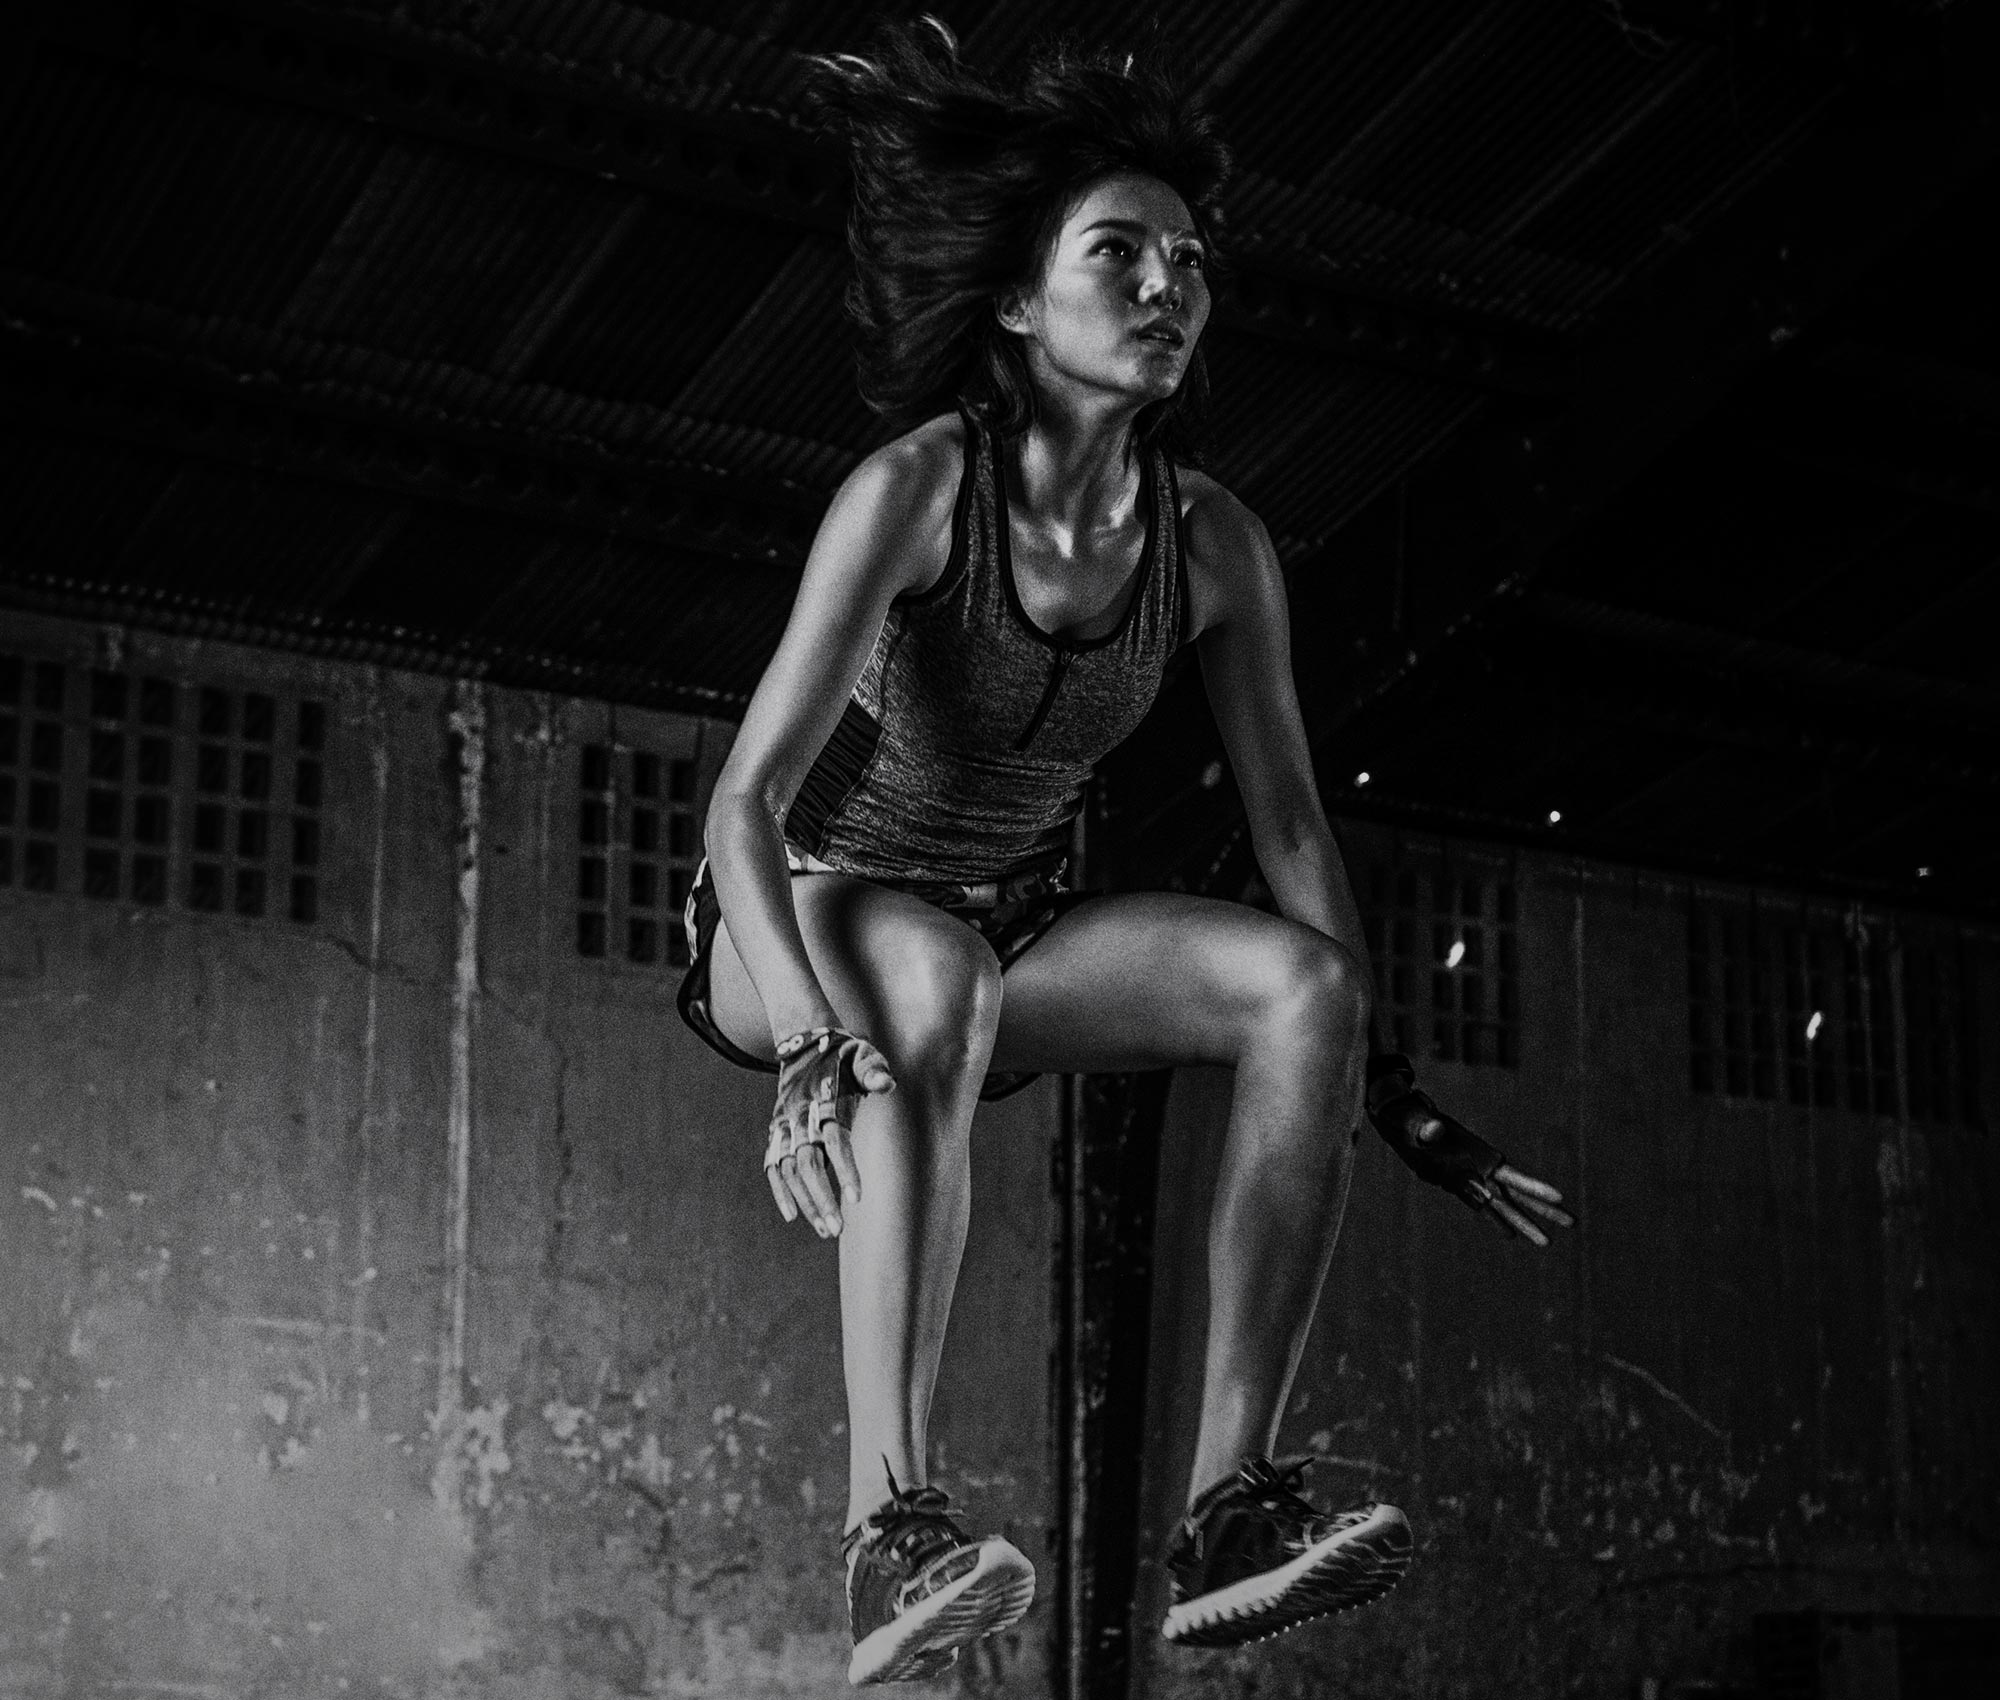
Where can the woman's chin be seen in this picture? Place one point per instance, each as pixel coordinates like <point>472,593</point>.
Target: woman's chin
<point>1140,383</point>
<point>1156,380</point>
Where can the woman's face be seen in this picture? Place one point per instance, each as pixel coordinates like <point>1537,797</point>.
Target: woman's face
<point>1124,296</point>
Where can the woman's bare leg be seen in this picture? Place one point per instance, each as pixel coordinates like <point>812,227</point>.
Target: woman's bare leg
<point>1279,1199</point>
<point>926,989</point>
<point>1148,979</point>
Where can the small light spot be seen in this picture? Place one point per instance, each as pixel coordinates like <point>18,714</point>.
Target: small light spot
<point>1362,777</point>
<point>1456,954</point>
<point>1555,816</point>
<point>1923,873</point>
<point>1211,776</point>
<point>1813,1025</point>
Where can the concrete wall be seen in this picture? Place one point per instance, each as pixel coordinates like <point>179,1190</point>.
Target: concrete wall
<point>394,1303</point>
<point>1761,1375</point>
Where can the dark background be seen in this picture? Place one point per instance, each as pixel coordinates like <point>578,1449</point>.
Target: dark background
<point>1619,381</point>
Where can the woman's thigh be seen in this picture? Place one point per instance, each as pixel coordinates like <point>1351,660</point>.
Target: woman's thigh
<point>896,970</point>
<point>1150,979</point>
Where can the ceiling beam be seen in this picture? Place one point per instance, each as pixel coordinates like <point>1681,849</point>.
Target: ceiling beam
<point>512,665</point>
<point>1805,680</point>
<point>402,79</point>
<point>57,376</point>
<point>443,90</point>
<point>1678,707</point>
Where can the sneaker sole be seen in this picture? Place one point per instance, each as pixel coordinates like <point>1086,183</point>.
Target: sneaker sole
<point>1343,1571</point>
<point>923,1641</point>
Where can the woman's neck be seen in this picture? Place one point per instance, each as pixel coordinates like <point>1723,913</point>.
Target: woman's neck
<point>1075,470</point>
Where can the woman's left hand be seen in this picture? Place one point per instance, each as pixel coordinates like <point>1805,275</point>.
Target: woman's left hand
<point>1443,1151</point>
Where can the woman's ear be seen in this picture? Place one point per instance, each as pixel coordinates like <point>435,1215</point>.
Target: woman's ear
<point>1011,309</point>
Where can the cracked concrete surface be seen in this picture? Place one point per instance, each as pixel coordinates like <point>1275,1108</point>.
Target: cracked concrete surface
<point>284,1411</point>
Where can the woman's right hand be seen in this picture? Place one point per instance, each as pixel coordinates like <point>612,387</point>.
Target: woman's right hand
<point>823,1074</point>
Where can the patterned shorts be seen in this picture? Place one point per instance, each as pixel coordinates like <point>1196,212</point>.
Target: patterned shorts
<point>1008,914</point>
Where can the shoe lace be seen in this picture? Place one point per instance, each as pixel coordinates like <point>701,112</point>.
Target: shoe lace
<point>911,1526</point>
<point>1276,1485</point>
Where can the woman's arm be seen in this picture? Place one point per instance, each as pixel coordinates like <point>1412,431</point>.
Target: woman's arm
<point>1246,663</point>
<point>887,531</point>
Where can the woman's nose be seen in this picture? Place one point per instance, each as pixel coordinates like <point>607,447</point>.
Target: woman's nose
<point>1158,283</point>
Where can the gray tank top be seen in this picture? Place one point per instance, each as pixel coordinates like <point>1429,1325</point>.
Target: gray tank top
<point>964,750</point>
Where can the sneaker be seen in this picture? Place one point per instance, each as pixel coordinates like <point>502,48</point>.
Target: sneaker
<point>1253,1558</point>
<point>918,1589</point>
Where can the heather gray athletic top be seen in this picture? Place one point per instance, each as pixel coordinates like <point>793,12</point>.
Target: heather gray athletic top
<point>963,752</point>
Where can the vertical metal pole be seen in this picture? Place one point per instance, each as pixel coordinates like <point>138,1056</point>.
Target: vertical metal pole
<point>1070,1596</point>
<point>1106,1172</point>
<point>467,726</point>
<point>1902,1256</point>
<point>367,1130</point>
<point>1062,1395</point>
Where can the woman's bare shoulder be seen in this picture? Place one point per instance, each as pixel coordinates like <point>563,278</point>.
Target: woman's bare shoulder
<point>917,471</point>
<point>900,497</point>
<point>1229,551</point>
<point>1213,514</point>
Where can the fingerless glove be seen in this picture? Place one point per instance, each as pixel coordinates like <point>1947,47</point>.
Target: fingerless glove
<point>1437,1148</point>
<point>819,1081</point>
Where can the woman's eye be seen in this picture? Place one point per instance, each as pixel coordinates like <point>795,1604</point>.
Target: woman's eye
<point>1115,246</point>
<point>1193,258</point>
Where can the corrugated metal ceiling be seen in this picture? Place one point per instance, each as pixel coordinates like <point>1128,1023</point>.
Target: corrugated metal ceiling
<point>396,223</point>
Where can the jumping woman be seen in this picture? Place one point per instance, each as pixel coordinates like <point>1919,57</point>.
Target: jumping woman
<point>883,920</point>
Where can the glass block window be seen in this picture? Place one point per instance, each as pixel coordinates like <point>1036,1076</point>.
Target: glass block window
<point>1400,984</point>
<point>1443,946</point>
<point>33,695</point>
<point>637,850</point>
<point>1786,1010</point>
<point>136,788</point>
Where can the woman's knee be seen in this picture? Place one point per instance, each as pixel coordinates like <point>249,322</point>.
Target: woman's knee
<point>1320,990</point>
<point>941,1005</point>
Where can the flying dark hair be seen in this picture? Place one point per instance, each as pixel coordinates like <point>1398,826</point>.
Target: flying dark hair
<point>961,182</point>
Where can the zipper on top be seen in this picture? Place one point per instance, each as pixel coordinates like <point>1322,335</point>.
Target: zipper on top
<point>1056,673</point>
